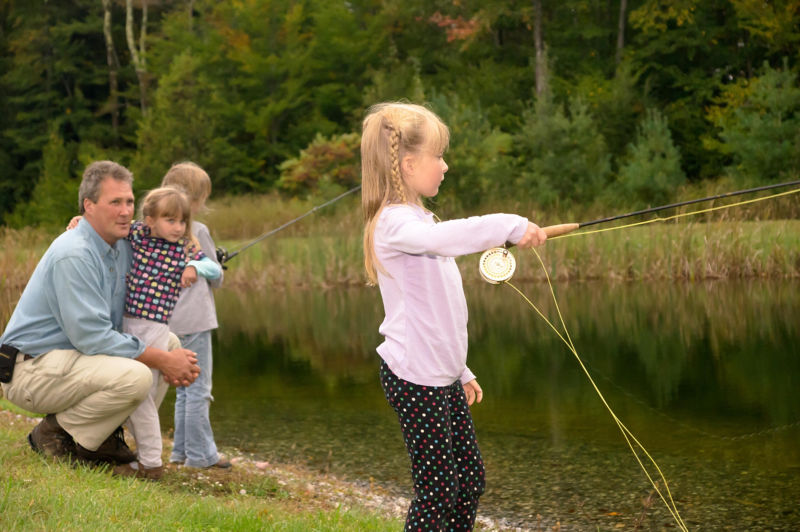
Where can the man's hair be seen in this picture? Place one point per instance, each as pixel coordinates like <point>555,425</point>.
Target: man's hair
<point>93,176</point>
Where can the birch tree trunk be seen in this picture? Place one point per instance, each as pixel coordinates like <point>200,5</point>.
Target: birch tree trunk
<point>111,59</point>
<point>138,55</point>
<point>623,6</point>
<point>541,51</point>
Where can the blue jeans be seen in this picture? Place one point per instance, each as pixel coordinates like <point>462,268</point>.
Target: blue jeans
<point>194,441</point>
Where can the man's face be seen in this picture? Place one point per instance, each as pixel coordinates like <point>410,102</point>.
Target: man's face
<point>112,214</point>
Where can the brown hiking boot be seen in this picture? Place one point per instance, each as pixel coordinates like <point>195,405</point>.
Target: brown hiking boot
<point>113,450</point>
<point>50,439</point>
<point>145,473</point>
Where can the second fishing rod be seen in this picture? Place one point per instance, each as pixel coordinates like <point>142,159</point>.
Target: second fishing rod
<point>224,256</point>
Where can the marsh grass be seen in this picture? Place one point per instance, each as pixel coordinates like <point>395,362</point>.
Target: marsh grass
<point>674,251</point>
<point>20,251</point>
<point>323,250</point>
<point>37,494</point>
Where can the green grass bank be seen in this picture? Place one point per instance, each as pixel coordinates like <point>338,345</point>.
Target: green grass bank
<point>38,494</point>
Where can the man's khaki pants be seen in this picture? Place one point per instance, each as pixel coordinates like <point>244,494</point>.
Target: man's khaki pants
<point>90,395</point>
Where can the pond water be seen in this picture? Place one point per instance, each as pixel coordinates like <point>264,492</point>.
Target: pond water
<point>705,375</point>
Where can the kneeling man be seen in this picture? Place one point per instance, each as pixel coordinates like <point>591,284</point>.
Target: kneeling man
<point>62,352</point>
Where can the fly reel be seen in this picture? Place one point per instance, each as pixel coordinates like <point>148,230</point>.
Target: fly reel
<point>497,265</point>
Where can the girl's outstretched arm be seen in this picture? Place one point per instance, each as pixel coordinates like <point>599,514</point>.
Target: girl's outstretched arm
<point>408,230</point>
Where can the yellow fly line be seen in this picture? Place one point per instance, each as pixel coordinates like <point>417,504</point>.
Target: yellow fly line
<point>497,266</point>
<point>633,443</point>
<point>676,216</point>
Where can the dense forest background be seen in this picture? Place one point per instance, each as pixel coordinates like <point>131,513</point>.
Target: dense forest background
<point>568,102</point>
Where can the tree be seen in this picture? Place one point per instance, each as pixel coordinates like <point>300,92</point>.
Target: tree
<point>138,52</point>
<point>684,50</point>
<point>479,156</point>
<point>652,170</point>
<point>771,27</point>
<point>282,72</point>
<point>113,68</point>
<point>759,126</point>
<point>185,124</point>
<point>562,157</point>
<point>623,7</point>
<point>52,74</point>
<point>55,198</point>
<point>541,49</point>
<point>327,164</point>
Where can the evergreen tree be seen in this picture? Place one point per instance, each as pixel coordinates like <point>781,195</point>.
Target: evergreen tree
<point>759,122</point>
<point>55,198</point>
<point>562,157</point>
<point>652,169</point>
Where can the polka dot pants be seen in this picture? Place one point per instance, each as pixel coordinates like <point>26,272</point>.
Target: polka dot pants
<point>446,464</point>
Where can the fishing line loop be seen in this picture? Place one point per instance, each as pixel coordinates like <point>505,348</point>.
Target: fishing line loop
<point>497,266</point>
<point>630,439</point>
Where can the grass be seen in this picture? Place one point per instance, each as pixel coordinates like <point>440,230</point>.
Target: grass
<point>38,494</point>
<point>682,252</point>
<point>323,250</point>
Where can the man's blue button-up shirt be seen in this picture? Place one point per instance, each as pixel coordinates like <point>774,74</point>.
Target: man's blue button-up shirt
<point>75,298</point>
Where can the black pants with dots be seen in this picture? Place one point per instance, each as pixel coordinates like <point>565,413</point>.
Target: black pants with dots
<point>446,464</point>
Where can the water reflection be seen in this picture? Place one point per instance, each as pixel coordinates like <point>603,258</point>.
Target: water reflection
<point>705,375</point>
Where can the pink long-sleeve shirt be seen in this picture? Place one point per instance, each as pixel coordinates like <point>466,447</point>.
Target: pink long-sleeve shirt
<point>425,328</point>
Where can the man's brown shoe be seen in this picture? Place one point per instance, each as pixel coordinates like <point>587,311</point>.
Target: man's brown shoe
<point>50,439</point>
<point>146,473</point>
<point>113,450</point>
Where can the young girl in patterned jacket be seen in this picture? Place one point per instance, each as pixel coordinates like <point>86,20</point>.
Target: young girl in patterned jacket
<point>166,258</point>
<point>410,257</point>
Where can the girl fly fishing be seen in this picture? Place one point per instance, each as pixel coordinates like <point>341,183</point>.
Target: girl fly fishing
<point>410,257</point>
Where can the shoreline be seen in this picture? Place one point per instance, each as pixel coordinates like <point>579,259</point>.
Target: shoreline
<point>322,490</point>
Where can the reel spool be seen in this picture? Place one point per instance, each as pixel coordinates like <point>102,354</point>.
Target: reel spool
<point>497,265</point>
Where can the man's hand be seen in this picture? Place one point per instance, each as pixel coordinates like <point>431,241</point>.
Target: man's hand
<point>178,366</point>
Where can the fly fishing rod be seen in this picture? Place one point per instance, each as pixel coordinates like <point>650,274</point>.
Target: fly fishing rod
<point>224,256</point>
<point>497,265</point>
<point>562,229</point>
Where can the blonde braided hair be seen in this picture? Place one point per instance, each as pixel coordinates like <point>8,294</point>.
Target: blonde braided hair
<point>394,154</point>
<point>390,132</point>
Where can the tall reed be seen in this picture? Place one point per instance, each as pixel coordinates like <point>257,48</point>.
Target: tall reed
<point>20,251</point>
<point>323,250</point>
